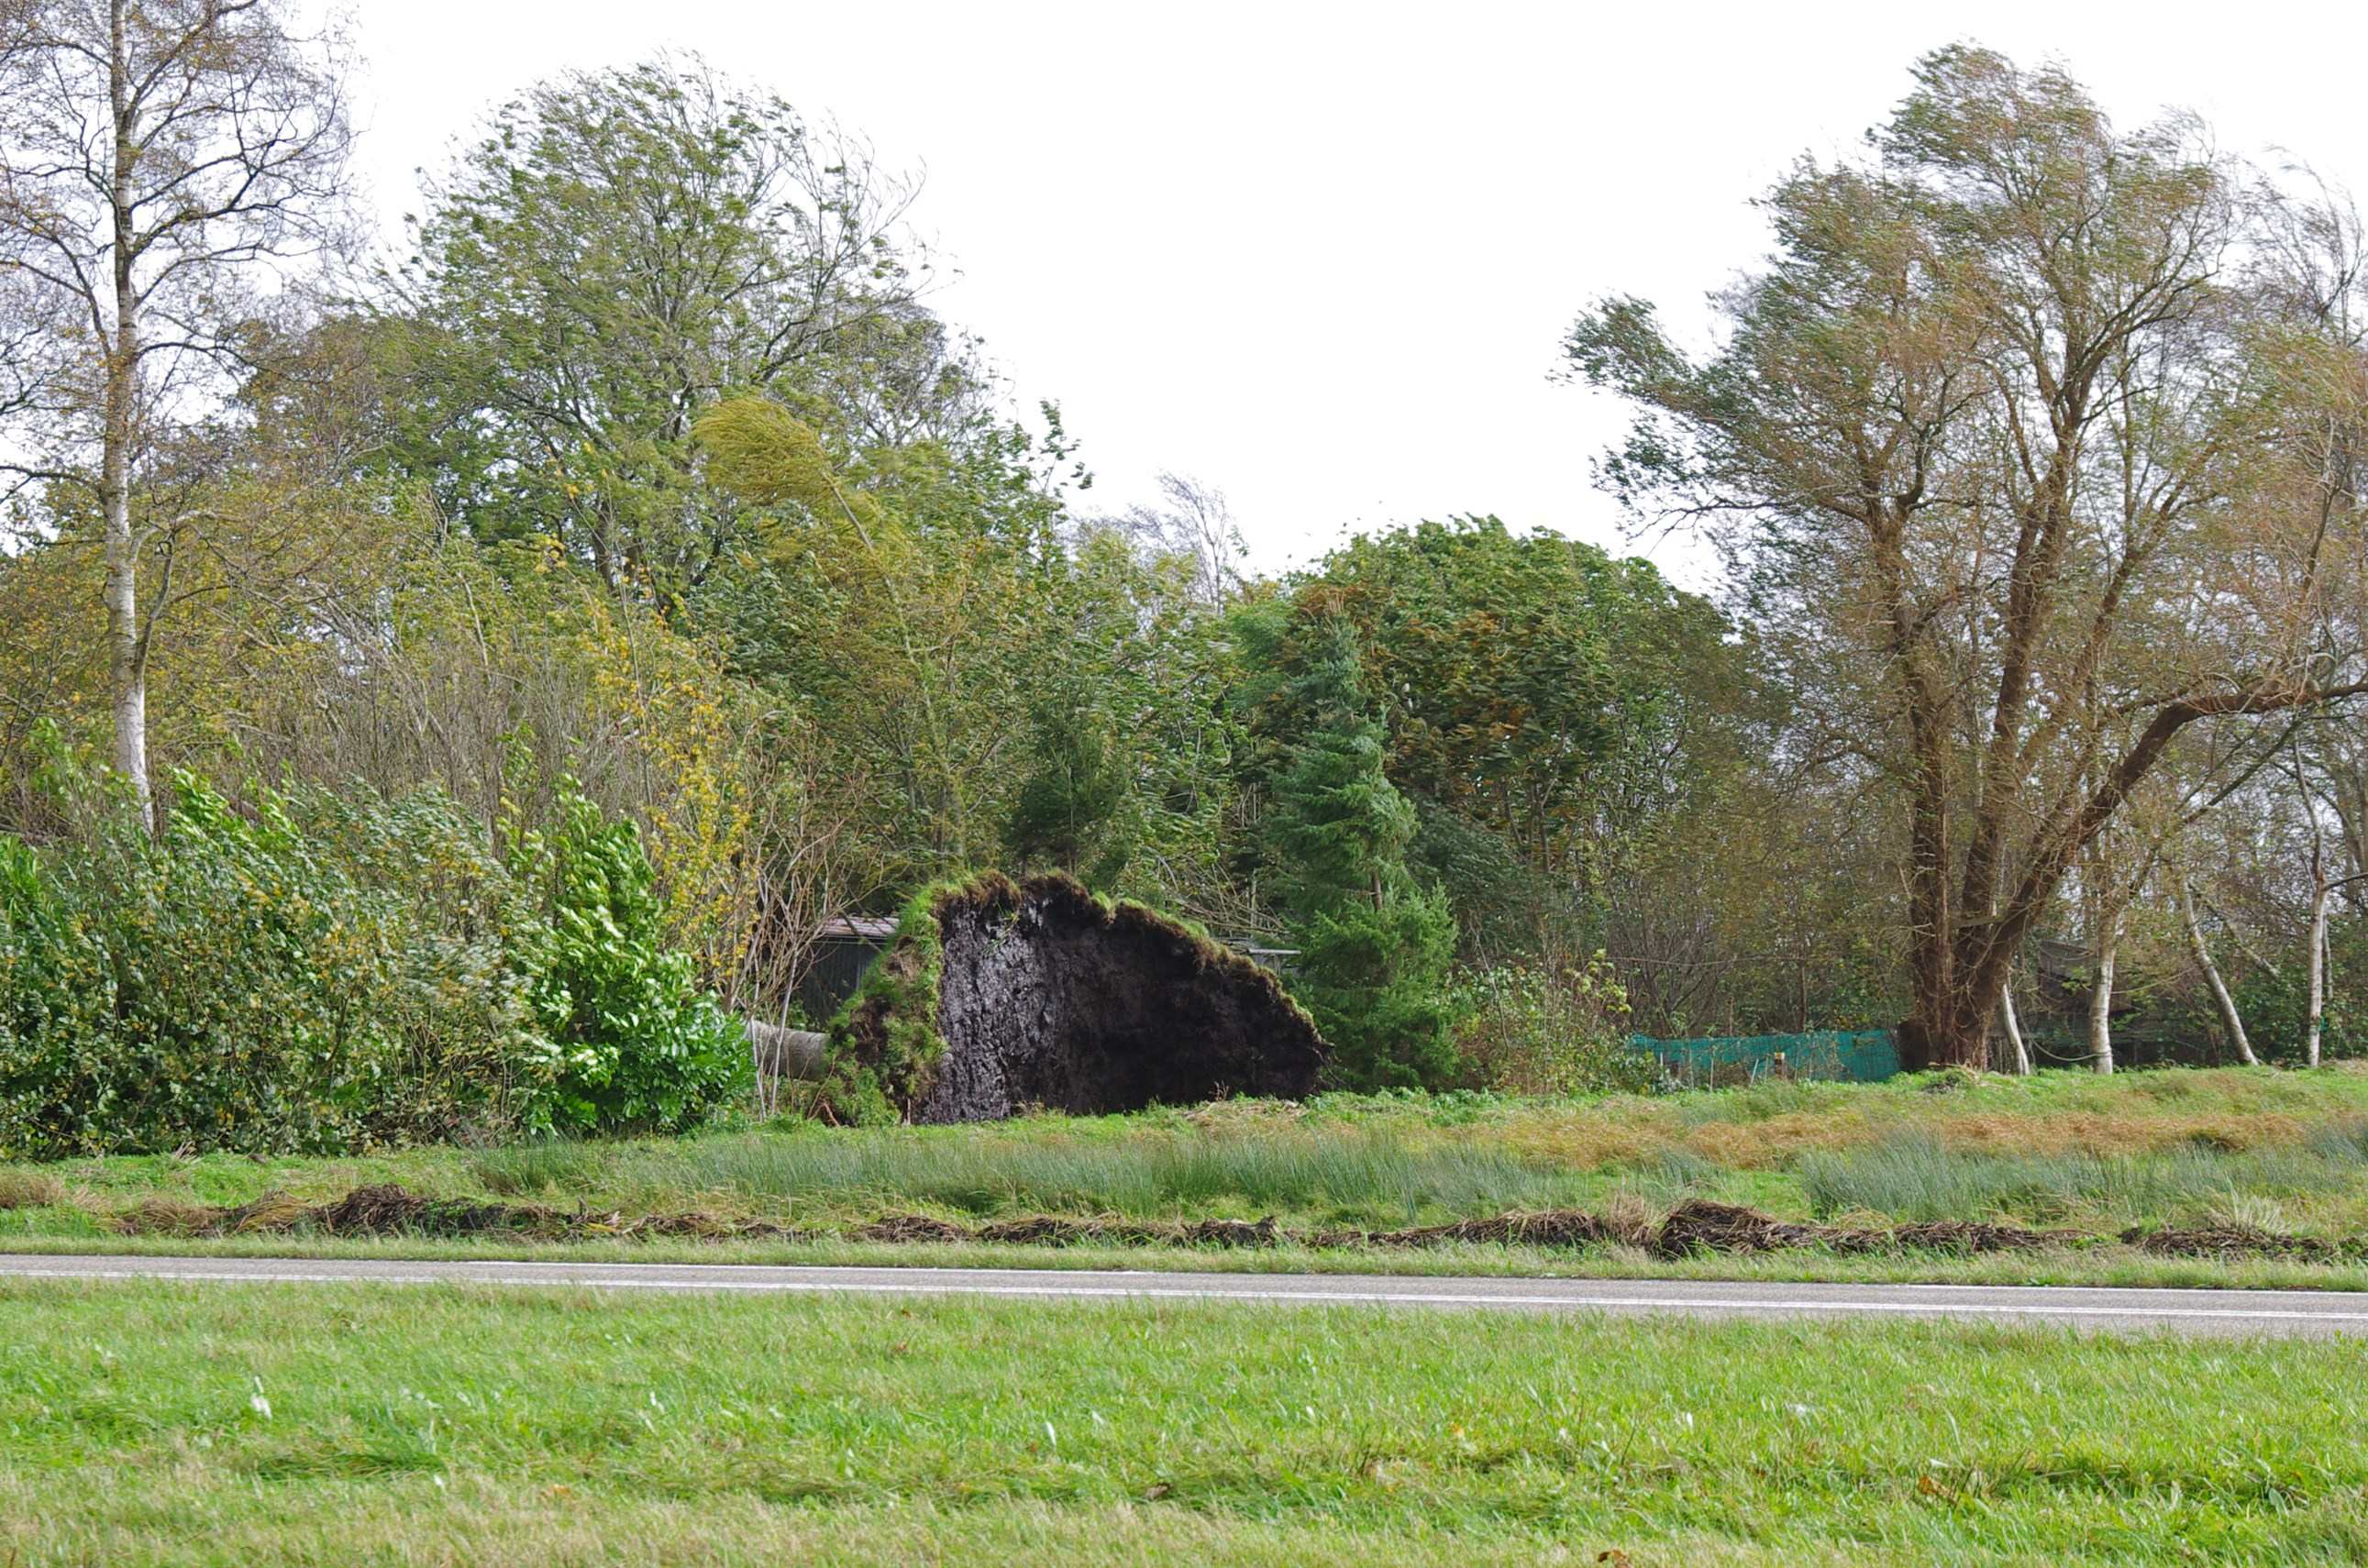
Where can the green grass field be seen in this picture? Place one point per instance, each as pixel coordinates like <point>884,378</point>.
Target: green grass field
<point>267,1424</point>
<point>333,1425</point>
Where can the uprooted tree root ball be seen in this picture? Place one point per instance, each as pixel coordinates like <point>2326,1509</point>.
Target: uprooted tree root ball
<point>1694,1228</point>
<point>1002,995</point>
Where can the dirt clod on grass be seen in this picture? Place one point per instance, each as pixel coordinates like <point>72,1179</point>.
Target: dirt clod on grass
<point>390,1210</point>
<point>904,1230</point>
<point>1972,1236</point>
<point>697,1226</point>
<point>385,1209</point>
<point>1695,1227</point>
<point>1698,1225</point>
<point>1554,1228</point>
<point>1043,1231</point>
<point>2228,1243</point>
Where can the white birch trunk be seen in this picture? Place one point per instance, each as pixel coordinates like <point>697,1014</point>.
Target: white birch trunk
<point>2014,1029</point>
<point>2220,994</point>
<point>126,648</point>
<point>2318,901</point>
<point>2101,999</point>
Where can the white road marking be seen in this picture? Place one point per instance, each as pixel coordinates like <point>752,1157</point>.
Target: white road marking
<point>2203,1310</point>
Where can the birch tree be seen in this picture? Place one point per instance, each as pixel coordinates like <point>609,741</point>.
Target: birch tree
<point>2231,1017</point>
<point>166,161</point>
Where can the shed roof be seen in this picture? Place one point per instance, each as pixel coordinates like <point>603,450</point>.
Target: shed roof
<point>859,928</point>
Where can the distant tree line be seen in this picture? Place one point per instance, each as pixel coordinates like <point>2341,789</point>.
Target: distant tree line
<point>642,480</point>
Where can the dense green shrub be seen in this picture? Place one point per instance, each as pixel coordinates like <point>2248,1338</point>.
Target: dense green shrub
<point>311,976</point>
<point>1536,1029</point>
<point>2276,1006</point>
<point>637,1045</point>
<point>314,975</point>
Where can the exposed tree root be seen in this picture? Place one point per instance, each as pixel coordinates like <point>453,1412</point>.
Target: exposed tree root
<point>1002,995</point>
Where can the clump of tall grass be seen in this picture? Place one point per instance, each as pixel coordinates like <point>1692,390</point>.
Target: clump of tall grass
<point>1912,1177</point>
<point>1668,1179</point>
<point>1365,1177</point>
<point>1765,1100</point>
<point>542,1165</point>
<point>2345,1142</point>
<point>29,1190</point>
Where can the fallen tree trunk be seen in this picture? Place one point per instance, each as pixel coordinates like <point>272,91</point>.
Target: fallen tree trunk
<point>785,1053</point>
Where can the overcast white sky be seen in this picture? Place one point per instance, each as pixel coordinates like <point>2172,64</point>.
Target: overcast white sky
<point>1320,256</point>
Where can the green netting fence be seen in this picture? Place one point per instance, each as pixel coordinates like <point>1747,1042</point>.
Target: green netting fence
<point>1860,1056</point>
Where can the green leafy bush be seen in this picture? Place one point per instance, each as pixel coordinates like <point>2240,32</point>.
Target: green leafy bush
<point>2276,1006</point>
<point>636,1045</point>
<point>1537,1031</point>
<point>309,974</point>
<point>312,976</point>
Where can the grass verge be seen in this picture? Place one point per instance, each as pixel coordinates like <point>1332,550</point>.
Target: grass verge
<point>163,1424</point>
<point>2274,1156</point>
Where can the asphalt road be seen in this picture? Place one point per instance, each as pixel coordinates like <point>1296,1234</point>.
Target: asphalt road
<point>2181,1312</point>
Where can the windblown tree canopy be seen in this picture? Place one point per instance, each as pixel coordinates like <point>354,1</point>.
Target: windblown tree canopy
<point>652,490</point>
<point>621,250</point>
<point>2036,439</point>
<point>1551,697</point>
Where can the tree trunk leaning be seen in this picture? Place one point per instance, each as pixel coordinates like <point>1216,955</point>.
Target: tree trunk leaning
<point>2014,1031</point>
<point>2220,994</point>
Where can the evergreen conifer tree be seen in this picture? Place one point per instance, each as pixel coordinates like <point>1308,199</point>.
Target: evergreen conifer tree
<point>1065,813</point>
<point>1374,945</point>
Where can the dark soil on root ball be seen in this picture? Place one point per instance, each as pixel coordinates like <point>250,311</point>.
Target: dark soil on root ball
<point>1048,997</point>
